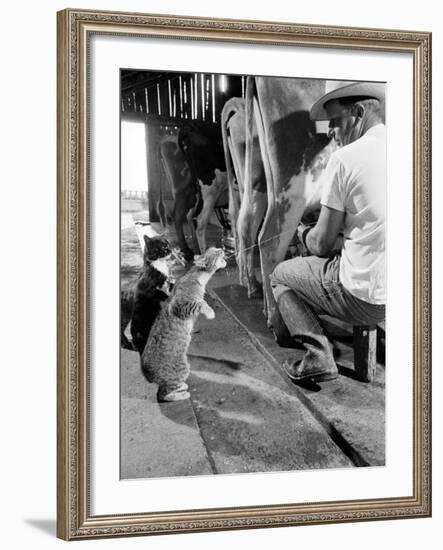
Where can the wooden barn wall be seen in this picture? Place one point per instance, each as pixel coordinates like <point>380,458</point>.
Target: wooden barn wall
<point>165,105</point>
<point>183,95</point>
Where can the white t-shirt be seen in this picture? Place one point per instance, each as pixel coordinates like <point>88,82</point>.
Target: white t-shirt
<point>354,182</point>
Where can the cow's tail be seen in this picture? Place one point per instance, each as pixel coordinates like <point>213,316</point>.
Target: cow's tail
<point>249,129</point>
<point>231,108</point>
<point>228,111</point>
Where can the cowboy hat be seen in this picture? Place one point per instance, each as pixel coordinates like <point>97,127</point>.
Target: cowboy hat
<point>375,90</point>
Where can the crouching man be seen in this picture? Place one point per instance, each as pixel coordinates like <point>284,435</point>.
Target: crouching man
<point>349,285</point>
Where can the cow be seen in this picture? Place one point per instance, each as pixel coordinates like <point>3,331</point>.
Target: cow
<point>279,132</point>
<point>293,155</point>
<point>246,205</point>
<point>202,146</point>
<point>183,188</point>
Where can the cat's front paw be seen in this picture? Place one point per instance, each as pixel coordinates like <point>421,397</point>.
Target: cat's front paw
<point>209,313</point>
<point>166,289</point>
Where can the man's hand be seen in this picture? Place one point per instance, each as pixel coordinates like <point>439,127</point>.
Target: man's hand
<point>301,229</point>
<point>321,239</point>
<point>301,233</point>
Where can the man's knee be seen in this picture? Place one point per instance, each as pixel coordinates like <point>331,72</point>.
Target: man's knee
<point>285,271</point>
<point>276,276</point>
<point>273,277</point>
<point>276,286</point>
<point>280,278</point>
<point>293,274</point>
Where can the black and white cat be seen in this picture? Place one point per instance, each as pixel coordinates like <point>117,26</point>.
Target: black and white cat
<point>142,302</point>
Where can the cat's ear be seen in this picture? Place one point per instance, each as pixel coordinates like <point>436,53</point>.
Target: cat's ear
<point>146,239</point>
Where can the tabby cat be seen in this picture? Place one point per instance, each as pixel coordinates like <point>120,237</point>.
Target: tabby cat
<point>164,359</point>
<point>142,302</point>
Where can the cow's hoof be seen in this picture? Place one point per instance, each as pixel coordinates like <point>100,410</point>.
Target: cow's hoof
<point>242,276</point>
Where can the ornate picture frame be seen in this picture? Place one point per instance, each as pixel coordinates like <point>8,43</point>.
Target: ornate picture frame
<point>76,519</point>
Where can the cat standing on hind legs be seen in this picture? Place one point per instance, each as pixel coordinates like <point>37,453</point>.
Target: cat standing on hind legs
<point>141,302</point>
<point>164,360</point>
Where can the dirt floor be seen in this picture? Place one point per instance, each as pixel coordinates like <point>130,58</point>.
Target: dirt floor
<point>245,414</point>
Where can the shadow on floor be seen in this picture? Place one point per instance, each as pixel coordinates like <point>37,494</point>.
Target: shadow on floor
<point>48,526</point>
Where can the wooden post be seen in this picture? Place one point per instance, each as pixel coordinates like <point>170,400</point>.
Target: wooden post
<point>207,100</point>
<point>213,96</point>
<point>192,98</point>
<point>202,94</point>
<point>365,352</point>
<point>196,95</point>
<point>169,98</point>
<point>159,108</point>
<point>180,91</point>
<point>185,97</point>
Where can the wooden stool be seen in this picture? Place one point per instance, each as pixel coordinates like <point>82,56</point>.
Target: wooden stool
<point>365,352</point>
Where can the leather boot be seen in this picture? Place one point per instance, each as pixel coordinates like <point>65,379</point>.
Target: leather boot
<point>280,331</point>
<point>303,325</point>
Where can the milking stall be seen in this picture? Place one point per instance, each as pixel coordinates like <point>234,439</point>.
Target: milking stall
<point>235,162</point>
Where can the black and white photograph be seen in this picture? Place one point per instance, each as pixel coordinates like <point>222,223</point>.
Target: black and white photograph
<point>252,274</point>
<point>244,288</point>
<point>218,228</point>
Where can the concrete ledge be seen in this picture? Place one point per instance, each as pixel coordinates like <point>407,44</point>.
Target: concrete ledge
<point>157,439</point>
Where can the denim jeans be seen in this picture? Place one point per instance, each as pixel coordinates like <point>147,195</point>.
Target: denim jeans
<point>316,289</point>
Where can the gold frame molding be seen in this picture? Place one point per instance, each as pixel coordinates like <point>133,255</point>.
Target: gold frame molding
<point>74,520</point>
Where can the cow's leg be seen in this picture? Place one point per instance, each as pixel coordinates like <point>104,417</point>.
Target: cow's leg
<point>257,211</point>
<point>282,218</point>
<point>251,213</point>
<point>191,224</point>
<point>233,175</point>
<point>286,203</point>
<point>253,205</point>
<point>203,220</point>
<point>242,222</point>
<point>233,134</point>
<point>274,238</point>
<point>210,195</point>
<point>234,192</point>
<point>234,209</point>
<point>161,209</point>
<point>180,210</point>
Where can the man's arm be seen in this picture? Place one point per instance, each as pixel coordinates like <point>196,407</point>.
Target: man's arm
<point>320,240</point>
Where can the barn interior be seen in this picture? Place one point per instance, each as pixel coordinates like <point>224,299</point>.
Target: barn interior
<point>244,415</point>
